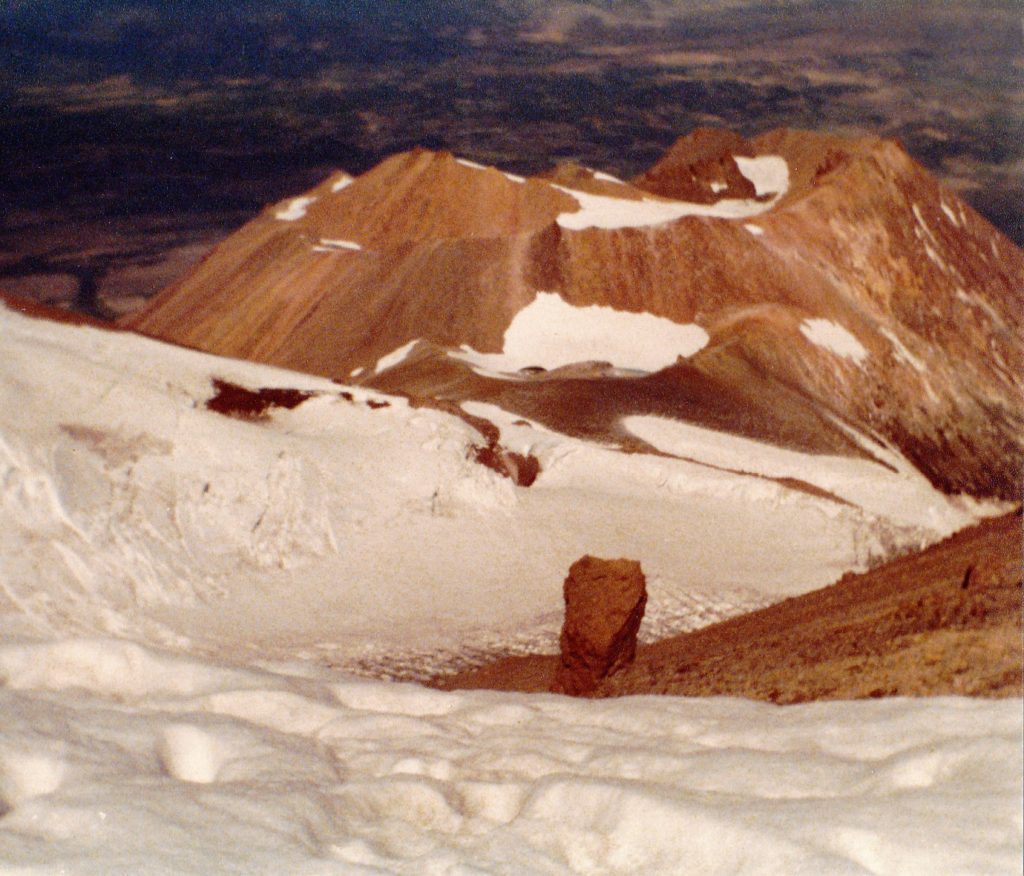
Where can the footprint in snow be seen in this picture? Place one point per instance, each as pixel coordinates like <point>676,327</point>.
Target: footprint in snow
<point>27,775</point>
<point>189,754</point>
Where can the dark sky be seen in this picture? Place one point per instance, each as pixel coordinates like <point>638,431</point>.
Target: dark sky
<point>135,134</point>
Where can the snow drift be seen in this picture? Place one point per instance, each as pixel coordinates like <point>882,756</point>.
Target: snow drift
<point>120,758</point>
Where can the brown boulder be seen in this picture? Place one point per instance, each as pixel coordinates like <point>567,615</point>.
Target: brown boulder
<point>604,604</point>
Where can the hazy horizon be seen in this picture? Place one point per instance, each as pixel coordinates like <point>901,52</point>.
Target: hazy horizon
<point>137,134</point>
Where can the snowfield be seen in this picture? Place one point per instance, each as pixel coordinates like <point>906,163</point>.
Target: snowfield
<point>550,332</point>
<point>352,526</point>
<point>186,598</point>
<point>115,758</point>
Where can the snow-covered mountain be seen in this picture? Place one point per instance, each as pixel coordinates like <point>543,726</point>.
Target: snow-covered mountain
<point>196,552</point>
<point>395,410</point>
<point>782,281</point>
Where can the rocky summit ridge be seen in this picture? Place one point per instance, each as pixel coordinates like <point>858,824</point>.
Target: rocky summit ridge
<point>795,288</point>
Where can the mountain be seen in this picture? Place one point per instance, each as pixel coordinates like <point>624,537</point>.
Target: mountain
<point>794,288</point>
<point>197,553</point>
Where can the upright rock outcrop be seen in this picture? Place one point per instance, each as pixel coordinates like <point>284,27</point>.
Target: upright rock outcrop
<point>604,604</point>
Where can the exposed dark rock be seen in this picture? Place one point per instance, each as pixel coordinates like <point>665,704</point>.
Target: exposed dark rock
<point>521,470</point>
<point>233,400</point>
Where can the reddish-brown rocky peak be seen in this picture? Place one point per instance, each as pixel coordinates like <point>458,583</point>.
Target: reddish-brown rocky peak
<point>585,179</point>
<point>704,143</point>
<point>424,195</point>
<point>569,173</point>
<point>604,604</point>
<point>700,168</point>
<point>813,156</point>
<point>836,269</point>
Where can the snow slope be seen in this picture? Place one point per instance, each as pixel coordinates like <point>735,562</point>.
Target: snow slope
<point>184,597</point>
<point>116,758</point>
<point>768,173</point>
<point>352,526</point>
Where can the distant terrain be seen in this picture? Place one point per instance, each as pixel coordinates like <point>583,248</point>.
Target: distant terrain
<point>135,135</point>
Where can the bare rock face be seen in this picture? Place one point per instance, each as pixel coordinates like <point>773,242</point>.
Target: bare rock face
<point>604,604</point>
<point>700,168</point>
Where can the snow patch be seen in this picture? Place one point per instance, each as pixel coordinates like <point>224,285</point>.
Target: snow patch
<point>342,183</point>
<point>976,300</point>
<point>903,496</point>
<point>756,230</point>
<point>929,241</point>
<point>395,357</point>
<point>295,210</point>
<point>768,173</point>
<point>902,353</point>
<point>935,258</point>
<point>919,218</point>
<point>550,333</point>
<point>834,338</point>
<point>603,211</point>
<point>512,177</point>
<point>607,177</point>
<point>949,213</point>
<point>718,186</point>
<point>329,243</point>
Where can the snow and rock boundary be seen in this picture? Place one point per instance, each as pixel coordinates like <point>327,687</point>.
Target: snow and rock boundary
<point>943,621</point>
